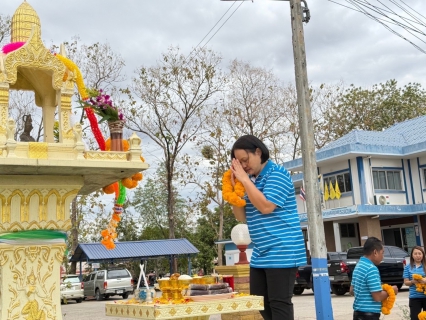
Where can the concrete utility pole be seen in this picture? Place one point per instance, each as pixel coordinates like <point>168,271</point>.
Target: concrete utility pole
<point>313,203</point>
<point>318,248</point>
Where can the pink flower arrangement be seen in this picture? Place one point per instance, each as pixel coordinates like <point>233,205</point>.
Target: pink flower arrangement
<point>103,106</point>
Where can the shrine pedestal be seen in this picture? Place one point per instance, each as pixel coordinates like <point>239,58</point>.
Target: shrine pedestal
<point>29,281</point>
<point>241,275</point>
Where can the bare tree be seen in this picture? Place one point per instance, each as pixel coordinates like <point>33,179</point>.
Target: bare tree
<point>5,22</point>
<point>255,104</point>
<point>172,96</point>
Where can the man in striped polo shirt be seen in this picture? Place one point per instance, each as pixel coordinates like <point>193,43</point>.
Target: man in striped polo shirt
<point>274,226</point>
<point>366,284</point>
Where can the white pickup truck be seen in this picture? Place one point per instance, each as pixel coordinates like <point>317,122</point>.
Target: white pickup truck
<point>102,284</point>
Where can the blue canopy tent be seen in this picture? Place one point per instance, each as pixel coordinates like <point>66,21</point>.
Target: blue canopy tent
<point>134,250</point>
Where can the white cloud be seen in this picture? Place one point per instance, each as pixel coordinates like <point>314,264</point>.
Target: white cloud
<point>341,44</point>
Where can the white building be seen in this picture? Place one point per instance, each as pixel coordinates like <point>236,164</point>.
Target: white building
<point>381,177</point>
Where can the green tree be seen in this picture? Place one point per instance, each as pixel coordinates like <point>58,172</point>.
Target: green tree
<point>375,109</point>
<point>205,236</point>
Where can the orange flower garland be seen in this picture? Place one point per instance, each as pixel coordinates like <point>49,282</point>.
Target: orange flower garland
<point>422,315</point>
<point>420,287</point>
<point>388,303</point>
<point>233,195</point>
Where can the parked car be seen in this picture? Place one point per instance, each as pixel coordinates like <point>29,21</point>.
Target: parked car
<point>391,268</point>
<point>338,272</point>
<point>71,288</point>
<point>304,274</point>
<point>103,284</point>
<point>303,279</point>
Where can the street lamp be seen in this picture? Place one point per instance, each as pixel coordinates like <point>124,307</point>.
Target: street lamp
<point>241,237</point>
<point>318,248</point>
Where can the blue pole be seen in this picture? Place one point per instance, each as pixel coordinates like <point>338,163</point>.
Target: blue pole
<point>322,295</point>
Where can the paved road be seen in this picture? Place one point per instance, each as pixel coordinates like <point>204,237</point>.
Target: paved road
<point>304,307</point>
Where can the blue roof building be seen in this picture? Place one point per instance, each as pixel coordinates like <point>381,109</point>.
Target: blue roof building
<point>381,179</point>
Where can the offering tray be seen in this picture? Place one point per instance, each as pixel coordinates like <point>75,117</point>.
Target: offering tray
<point>200,310</point>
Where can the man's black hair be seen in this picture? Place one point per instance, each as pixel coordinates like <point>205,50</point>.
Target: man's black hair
<point>372,244</point>
<point>250,143</point>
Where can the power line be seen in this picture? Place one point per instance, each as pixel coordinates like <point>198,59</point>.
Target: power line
<point>386,26</point>
<point>211,29</point>
<point>386,16</point>
<point>223,23</point>
<point>217,29</point>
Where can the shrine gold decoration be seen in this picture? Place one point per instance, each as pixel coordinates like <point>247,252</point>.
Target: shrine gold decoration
<point>37,150</point>
<point>185,311</point>
<point>34,271</point>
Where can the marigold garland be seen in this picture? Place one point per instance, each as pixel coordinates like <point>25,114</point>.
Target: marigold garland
<point>78,76</point>
<point>119,188</point>
<point>388,303</point>
<point>233,195</point>
<point>422,315</point>
<point>420,287</point>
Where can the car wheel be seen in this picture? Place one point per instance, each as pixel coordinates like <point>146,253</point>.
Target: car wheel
<point>125,295</point>
<point>339,290</point>
<point>79,300</point>
<point>98,295</point>
<point>298,291</point>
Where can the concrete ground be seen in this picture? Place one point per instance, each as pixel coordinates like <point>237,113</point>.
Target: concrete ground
<point>304,308</point>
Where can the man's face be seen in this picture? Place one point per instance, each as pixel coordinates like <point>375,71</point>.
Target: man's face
<point>378,256</point>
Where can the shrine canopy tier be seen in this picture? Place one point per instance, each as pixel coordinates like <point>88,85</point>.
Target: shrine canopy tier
<point>133,250</point>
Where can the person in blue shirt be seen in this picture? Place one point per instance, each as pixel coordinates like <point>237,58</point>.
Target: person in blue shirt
<point>366,285</point>
<point>417,300</point>
<point>273,223</point>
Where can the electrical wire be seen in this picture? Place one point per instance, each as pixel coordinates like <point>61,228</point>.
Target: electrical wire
<point>386,16</point>
<point>353,2</point>
<point>211,29</point>
<point>216,30</point>
<point>223,24</point>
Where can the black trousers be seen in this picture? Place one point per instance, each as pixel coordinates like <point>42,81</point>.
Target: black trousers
<point>416,305</point>
<point>276,286</point>
<point>360,315</point>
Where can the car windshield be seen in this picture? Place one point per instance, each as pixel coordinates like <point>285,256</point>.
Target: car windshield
<point>71,279</point>
<point>116,274</point>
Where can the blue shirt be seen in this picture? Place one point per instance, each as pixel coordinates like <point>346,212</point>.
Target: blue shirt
<point>365,280</point>
<point>277,236</point>
<point>408,273</point>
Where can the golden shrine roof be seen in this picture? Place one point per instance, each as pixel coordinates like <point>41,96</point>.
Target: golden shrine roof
<point>23,20</point>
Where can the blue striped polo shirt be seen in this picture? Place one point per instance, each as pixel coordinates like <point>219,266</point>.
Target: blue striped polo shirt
<point>365,280</point>
<point>277,236</point>
<point>408,273</point>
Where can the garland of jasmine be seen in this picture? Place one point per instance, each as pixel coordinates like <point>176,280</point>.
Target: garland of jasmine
<point>387,304</point>
<point>233,195</point>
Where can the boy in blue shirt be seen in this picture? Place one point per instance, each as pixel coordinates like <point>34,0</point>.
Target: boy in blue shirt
<point>366,284</point>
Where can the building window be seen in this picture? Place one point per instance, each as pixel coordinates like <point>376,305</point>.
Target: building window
<point>387,179</point>
<point>347,230</point>
<point>296,190</point>
<point>343,180</point>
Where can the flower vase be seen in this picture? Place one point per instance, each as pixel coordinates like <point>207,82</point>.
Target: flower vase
<point>116,134</point>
